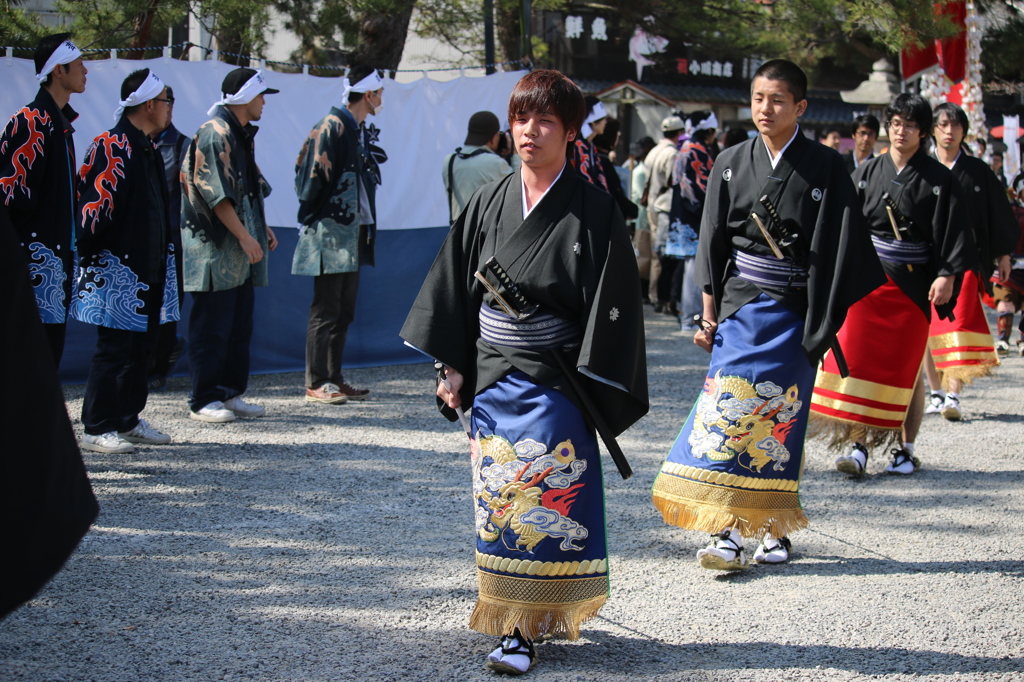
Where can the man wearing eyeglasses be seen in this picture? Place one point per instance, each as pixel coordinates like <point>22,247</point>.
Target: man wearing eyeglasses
<point>128,283</point>
<point>915,210</point>
<point>172,145</point>
<point>865,134</point>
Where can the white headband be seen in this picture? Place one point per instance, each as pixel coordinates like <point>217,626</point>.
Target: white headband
<point>150,88</point>
<point>707,124</point>
<point>247,93</point>
<point>368,84</point>
<point>586,130</point>
<point>596,114</point>
<point>64,54</point>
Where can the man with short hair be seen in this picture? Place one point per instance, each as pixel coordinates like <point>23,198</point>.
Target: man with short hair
<point>475,163</point>
<point>832,139</point>
<point>537,488</point>
<point>584,154</point>
<point>642,237</point>
<point>172,146</point>
<point>782,256</point>
<point>660,162</point>
<point>128,284</point>
<point>225,239</point>
<point>961,348</point>
<point>914,208</point>
<point>865,134</point>
<point>37,180</point>
<point>337,193</point>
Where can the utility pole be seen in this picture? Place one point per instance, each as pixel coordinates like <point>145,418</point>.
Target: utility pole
<point>489,36</point>
<point>524,22</point>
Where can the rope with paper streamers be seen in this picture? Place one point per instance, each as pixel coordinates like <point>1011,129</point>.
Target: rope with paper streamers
<point>305,68</point>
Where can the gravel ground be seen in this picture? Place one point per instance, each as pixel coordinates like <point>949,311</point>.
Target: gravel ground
<point>336,543</point>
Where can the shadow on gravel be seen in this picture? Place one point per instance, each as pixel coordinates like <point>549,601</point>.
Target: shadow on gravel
<point>641,657</point>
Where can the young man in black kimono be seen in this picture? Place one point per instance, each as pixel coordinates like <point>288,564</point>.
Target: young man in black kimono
<point>782,255</point>
<point>962,348</point>
<point>523,362</point>
<point>914,208</point>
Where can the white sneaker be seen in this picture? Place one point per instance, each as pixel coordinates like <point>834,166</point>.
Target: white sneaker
<point>773,551</point>
<point>244,410</point>
<point>934,405</point>
<point>144,433</point>
<point>514,656</point>
<point>725,553</point>
<point>109,443</point>
<point>212,413</point>
<point>1002,347</point>
<point>854,463</point>
<point>951,408</point>
<point>903,463</point>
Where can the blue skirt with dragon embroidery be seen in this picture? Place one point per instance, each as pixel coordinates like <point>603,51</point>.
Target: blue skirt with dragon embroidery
<point>738,459</point>
<point>542,561</point>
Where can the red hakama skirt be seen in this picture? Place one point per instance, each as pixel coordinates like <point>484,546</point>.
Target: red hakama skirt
<point>963,349</point>
<point>883,340</point>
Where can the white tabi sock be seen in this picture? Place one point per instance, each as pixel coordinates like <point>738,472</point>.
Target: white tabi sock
<point>909,447</point>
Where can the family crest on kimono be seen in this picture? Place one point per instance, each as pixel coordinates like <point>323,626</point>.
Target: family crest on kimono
<point>914,209</point>
<point>525,310</point>
<point>782,255</point>
<point>37,181</point>
<point>961,348</point>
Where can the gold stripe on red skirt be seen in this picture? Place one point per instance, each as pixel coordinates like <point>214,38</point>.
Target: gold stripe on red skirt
<point>963,348</point>
<point>883,340</point>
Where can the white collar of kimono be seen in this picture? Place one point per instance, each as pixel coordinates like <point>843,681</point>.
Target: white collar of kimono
<point>65,53</point>
<point>150,88</point>
<point>527,211</point>
<point>368,84</point>
<point>775,161</point>
<point>247,93</point>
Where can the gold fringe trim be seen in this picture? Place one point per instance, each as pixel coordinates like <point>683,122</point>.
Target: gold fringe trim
<point>495,617</point>
<point>843,434</point>
<point>711,518</point>
<point>965,374</point>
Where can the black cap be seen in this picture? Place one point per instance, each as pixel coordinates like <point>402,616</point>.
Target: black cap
<point>483,125</point>
<point>234,81</point>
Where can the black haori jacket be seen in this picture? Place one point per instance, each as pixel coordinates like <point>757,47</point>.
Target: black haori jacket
<point>126,249</point>
<point>573,257</point>
<point>37,156</point>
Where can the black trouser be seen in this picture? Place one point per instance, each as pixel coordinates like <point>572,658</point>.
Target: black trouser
<point>331,312</point>
<point>166,340</point>
<point>55,336</point>
<point>116,390</point>
<point>219,332</point>
<point>668,293</point>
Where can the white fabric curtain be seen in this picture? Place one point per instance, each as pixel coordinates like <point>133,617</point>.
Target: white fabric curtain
<point>421,123</point>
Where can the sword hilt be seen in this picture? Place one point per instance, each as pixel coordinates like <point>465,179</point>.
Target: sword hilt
<point>523,306</point>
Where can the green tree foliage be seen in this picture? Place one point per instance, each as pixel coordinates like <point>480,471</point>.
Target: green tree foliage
<point>240,26</point>
<point>1002,50</point>
<point>18,28</point>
